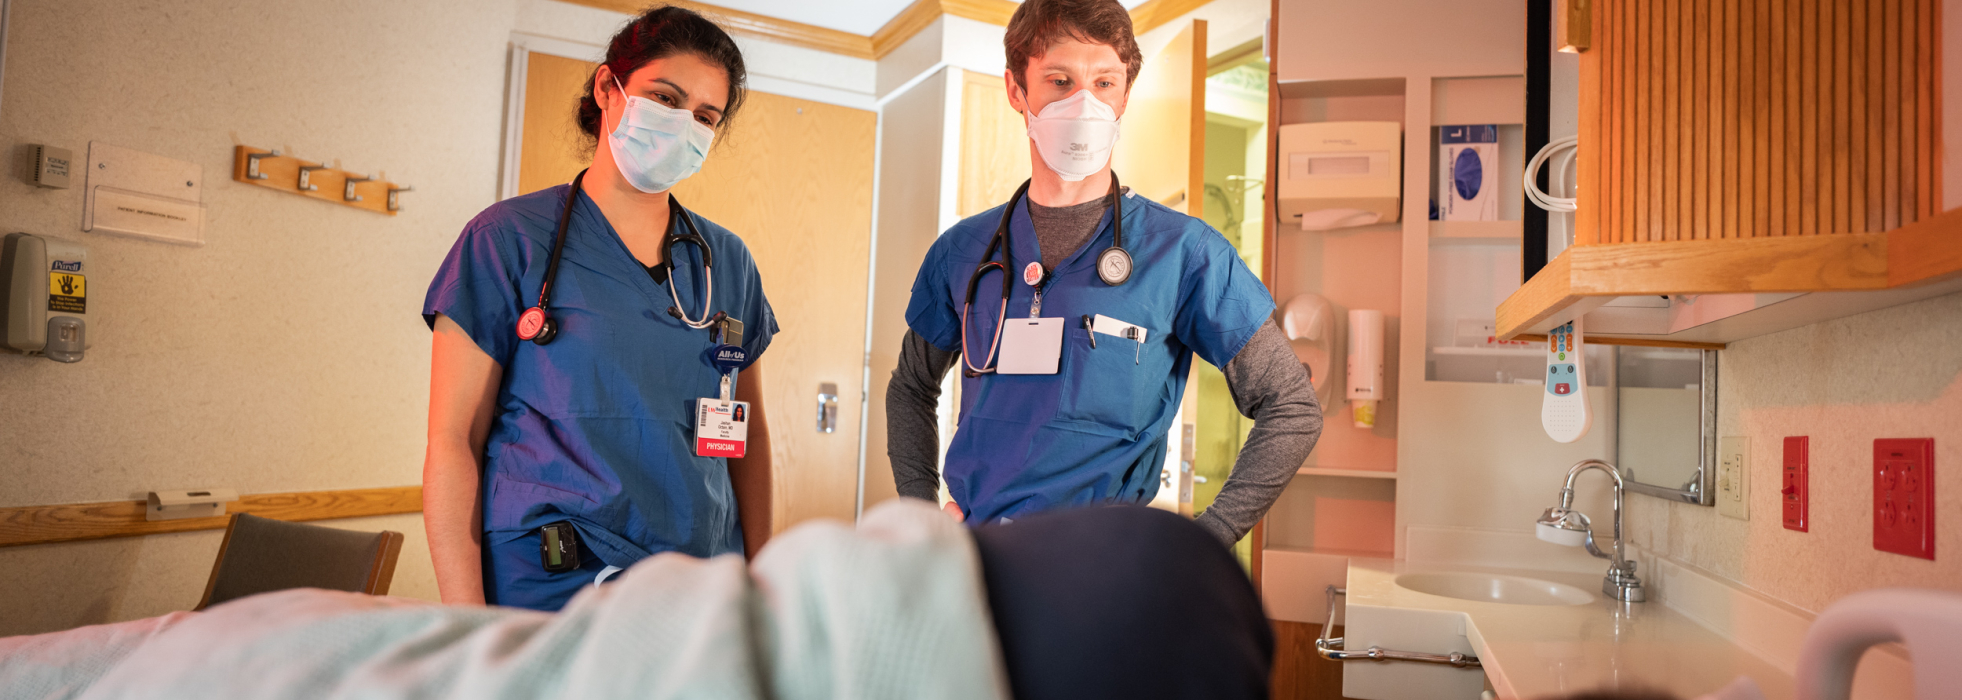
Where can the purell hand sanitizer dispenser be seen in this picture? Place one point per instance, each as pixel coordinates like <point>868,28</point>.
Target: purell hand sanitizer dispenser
<point>45,296</point>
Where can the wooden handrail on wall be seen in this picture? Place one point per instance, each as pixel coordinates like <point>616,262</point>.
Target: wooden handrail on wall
<point>93,521</point>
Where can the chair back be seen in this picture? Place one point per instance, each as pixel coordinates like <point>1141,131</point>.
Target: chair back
<point>261,555</point>
<point>1929,622</point>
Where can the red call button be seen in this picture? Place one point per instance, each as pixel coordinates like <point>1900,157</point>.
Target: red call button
<point>1562,389</point>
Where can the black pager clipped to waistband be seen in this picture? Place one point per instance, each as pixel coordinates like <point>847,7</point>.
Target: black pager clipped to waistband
<point>558,546</point>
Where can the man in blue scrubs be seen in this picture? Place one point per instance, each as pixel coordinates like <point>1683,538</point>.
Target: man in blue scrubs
<point>1089,425</point>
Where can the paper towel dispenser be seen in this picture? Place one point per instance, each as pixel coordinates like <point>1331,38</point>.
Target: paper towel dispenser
<point>1340,174</point>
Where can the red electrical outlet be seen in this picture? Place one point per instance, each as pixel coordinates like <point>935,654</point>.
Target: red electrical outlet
<point>1794,483</point>
<point>1904,496</point>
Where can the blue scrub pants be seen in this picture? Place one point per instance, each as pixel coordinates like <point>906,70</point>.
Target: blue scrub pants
<point>514,577</point>
<point>1122,602</point>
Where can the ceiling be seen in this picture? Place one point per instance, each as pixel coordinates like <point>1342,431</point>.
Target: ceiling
<point>861,17</point>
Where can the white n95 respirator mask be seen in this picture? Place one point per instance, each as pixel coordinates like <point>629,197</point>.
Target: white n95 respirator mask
<point>1074,135</point>
<point>656,146</point>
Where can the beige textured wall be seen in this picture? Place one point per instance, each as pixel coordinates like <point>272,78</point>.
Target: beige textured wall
<point>1885,374</point>
<point>912,126</point>
<point>285,354</point>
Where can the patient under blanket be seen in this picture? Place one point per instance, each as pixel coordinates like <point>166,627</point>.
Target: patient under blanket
<point>893,609</point>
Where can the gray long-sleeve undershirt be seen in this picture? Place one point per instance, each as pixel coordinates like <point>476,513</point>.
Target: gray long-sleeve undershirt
<point>1268,383</point>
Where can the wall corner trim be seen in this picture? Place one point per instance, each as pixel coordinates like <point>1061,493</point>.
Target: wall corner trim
<point>895,32</point>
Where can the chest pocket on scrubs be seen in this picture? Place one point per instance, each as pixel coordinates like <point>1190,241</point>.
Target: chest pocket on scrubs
<point>1112,384</point>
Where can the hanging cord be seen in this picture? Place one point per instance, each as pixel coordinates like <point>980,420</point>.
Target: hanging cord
<point>1561,153</point>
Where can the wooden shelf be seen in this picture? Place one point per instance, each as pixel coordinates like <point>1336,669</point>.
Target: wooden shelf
<point>1474,232</point>
<point>1324,551</point>
<point>1838,274</point>
<point>1362,87</point>
<point>1351,473</point>
<point>1446,350</point>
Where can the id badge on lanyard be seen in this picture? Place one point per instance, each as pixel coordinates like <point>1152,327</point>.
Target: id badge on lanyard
<point>721,427</point>
<point>722,424</point>
<point>1032,345</point>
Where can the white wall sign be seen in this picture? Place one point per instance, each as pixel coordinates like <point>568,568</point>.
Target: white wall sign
<point>139,194</point>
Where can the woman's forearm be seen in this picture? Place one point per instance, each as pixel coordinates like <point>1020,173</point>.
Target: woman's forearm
<point>452,517</point>
<point>463,385</point>
<point>750,476</point>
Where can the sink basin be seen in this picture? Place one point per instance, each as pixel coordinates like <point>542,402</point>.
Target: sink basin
<point>1494,588</point>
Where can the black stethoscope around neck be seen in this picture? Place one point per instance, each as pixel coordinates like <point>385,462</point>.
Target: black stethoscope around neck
<point>1113,267</point>
<point>536,323</point>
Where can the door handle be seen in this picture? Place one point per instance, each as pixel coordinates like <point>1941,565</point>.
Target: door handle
<point>827,408</point>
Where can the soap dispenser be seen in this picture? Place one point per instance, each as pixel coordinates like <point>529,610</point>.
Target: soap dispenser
<point>1308,320</point>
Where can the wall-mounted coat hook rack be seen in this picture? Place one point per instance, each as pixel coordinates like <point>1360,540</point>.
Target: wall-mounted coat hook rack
<point>252,164</point>
<point>305,182</point>
<point>272,169</point>
<point>347,188</point>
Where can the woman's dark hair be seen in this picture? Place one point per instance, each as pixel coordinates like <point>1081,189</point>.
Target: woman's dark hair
<point>658,33</point>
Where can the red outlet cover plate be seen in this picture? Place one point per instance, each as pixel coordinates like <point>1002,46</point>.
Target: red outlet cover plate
<point>1904,496</point>
<point>1792,483</point>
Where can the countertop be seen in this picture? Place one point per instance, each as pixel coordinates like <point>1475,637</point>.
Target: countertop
<point>1541,651</point>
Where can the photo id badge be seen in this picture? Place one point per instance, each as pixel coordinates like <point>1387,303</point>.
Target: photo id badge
<point>721,427</point>
<point>1031,346</point>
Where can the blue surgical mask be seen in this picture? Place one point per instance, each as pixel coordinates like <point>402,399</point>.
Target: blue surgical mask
<point>656,146</point>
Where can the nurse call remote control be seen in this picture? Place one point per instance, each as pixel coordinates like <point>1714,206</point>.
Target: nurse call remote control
<point>1563,408</point>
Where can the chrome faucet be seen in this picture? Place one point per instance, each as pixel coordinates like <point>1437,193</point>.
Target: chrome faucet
<point>1563,525</point>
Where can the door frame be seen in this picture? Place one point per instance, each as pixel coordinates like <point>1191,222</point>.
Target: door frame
<point>523,44</point>
<point>519,50</point>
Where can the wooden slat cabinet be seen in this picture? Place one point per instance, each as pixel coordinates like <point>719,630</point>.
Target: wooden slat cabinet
<point>1752,146</point>
<point>1714,119</point>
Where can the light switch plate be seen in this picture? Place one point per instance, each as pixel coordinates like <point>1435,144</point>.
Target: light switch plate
<point>1795,489</point>
<point>1734,477</point>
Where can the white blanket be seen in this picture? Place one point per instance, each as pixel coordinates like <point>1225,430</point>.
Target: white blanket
<point>893,610</point>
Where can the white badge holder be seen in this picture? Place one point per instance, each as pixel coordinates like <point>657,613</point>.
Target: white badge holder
<point>1031,346</point>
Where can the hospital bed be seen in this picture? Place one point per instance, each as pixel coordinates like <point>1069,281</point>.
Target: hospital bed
<point>1102,602</point>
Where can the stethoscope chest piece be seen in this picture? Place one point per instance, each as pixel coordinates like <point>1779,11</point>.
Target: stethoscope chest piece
<point>1114,266</point>
<point>536,326</point>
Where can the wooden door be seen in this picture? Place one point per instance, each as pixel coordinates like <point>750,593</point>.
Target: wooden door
<point>793,178</point>
<point>1162,155</point>
<point>1162,152</point>
<point>551,148</point>
<point>994,145</point>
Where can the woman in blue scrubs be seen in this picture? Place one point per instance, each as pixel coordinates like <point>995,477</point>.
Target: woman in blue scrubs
<point>570,418</point>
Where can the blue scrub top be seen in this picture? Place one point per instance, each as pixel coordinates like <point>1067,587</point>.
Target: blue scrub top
<point>597,427</point>
<point>1094,432</point>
